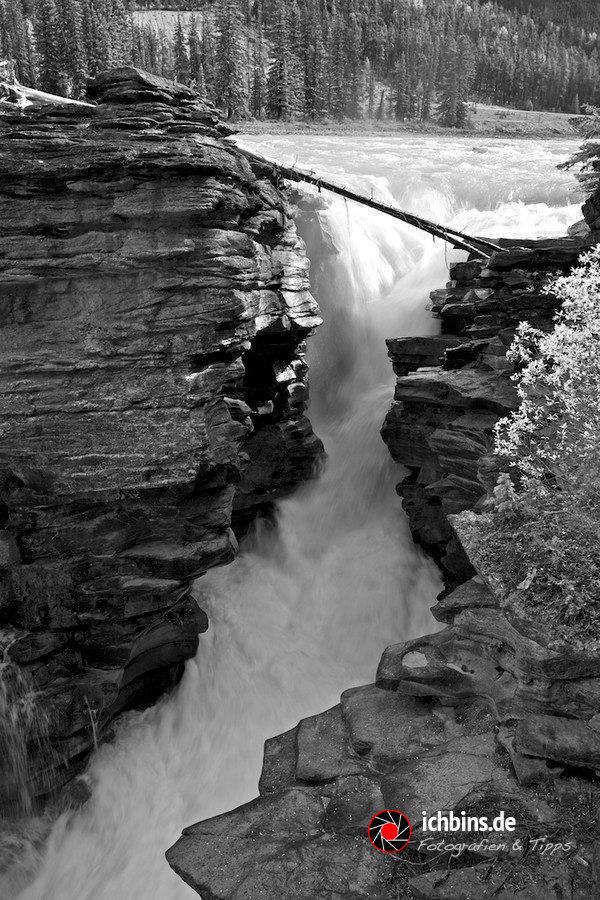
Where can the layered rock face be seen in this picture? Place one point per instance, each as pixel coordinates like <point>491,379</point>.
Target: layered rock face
<point>453,388</point>
<point>154,305</point>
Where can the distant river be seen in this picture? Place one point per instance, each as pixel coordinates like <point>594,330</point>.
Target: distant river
<point>302,616</point>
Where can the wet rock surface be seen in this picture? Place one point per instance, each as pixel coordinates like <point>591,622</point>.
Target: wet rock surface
<point>155,303</point>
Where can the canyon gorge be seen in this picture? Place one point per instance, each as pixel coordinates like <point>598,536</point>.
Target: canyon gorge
<point>156,309</point>
<point>488,713</point>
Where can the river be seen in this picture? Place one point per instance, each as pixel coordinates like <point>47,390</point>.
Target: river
<point>306,612</point>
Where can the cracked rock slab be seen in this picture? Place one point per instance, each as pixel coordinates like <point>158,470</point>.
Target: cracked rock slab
<point>443,779</point>
<point>275,847</point>
<point>323,749</point>
<point>385,727</point>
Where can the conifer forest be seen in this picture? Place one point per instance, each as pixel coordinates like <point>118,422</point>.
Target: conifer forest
<point>315,59</point>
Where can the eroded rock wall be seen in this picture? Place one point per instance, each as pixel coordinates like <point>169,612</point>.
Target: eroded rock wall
<point>154,302</point>
<point>453,388</point>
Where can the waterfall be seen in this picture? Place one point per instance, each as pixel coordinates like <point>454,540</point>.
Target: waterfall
<point>24,730</point>
<point>307,609</point>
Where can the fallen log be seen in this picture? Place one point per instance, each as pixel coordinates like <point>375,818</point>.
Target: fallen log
<point>18,95</point>
<point>478,246</point>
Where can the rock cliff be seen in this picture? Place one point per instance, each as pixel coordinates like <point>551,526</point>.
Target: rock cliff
<point>452,388</point>
<point>155,301</point>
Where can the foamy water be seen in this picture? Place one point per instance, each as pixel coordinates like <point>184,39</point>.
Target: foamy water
<point>306,612</point>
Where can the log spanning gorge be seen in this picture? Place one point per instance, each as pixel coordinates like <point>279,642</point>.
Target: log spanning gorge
<point>188,571</point>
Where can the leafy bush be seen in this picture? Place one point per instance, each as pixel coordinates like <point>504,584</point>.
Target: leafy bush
<point>553,440</point>
<point>541,542</point>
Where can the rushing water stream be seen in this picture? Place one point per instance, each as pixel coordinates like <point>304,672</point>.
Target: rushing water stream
<point>306,612</point>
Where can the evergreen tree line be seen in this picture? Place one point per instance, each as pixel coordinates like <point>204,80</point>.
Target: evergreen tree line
<point>57,44</point>
<point>315,58</point>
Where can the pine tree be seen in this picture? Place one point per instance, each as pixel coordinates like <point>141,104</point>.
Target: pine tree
<point>71,48</point>
<point>16,43</point>
<point>47,28</point>
<point>259,76</point>
<point>354,67</point>
<point>182,62</point>
<point>29,63</point>
<point>466,70</point>
<point>402,101</point>
<point>459,73</point>
<point>338,87</point>
<point>284,97</point>
<point>194,52</point>
<point>231,85</point>
<point>96,36</point>
<point>209,65</point>
<point>430,70</point>
<point>314,59</point>
<point>448,106</point>
<point>119,27</point>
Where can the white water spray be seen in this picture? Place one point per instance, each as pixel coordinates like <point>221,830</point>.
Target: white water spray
<point>306,611</point>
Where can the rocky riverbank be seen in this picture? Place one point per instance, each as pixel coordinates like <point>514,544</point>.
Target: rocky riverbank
<point>155,306</point>
<point>487,715</point>
<point>452,388</point>
<point>475,719</point>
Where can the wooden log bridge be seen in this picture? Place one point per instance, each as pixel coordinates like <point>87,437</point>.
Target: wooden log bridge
<point>473,245</point>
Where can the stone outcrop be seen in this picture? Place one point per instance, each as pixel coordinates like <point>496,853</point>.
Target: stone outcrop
<point>477,718</point>
<point>453,388</point>
<point>154,306</point>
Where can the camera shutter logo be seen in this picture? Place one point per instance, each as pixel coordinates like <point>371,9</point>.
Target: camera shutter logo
<point>389,831</point>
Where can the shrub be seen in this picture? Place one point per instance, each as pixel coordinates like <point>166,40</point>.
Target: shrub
<point>553,440</point>
<point>540,544</point>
